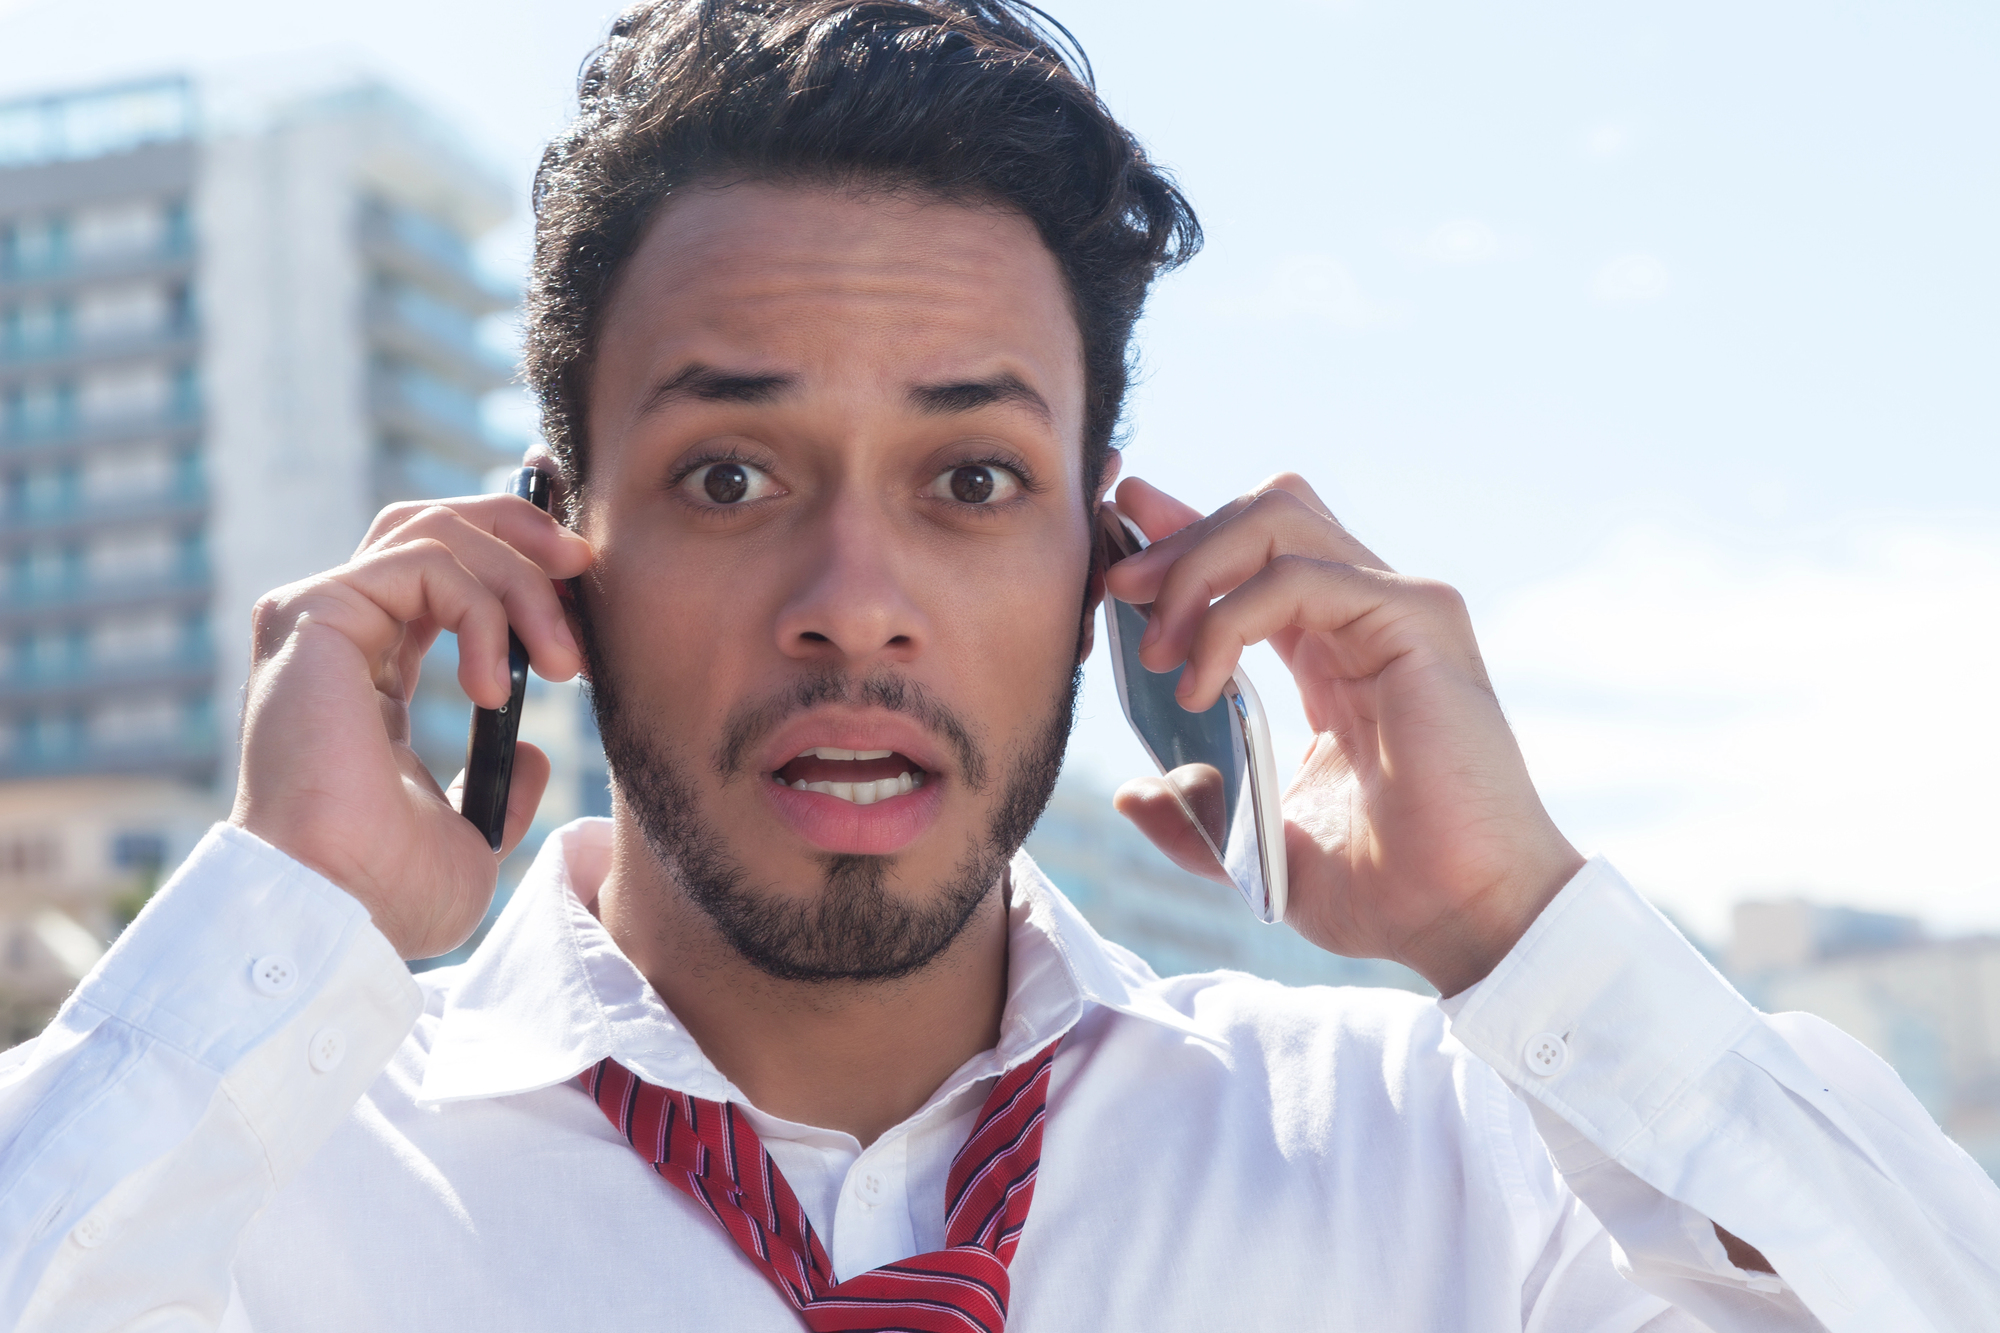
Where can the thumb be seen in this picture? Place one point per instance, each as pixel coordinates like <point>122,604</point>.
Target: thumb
<point>1152,805</point>
<point>524,794</point>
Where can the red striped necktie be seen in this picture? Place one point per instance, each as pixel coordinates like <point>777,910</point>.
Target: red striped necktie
<point>709,1151</point>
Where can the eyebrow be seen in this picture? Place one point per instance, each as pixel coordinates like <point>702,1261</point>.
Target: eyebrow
<point>706,384</point>
<point>971,395</point>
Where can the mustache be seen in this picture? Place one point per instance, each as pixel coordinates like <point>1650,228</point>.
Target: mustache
<point>750,723</point>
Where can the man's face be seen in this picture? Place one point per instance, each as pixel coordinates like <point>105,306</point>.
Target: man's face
<point>835,487</point>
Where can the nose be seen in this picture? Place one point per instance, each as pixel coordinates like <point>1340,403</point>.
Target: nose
<point>854,604</point>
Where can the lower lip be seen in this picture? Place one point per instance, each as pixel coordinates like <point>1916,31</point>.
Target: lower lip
<point>834,825</point>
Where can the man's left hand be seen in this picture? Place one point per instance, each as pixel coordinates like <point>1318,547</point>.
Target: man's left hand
<point>1412,830</point>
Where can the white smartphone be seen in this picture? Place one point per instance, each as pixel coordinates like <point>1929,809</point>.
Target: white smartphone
<point>1218,761</point>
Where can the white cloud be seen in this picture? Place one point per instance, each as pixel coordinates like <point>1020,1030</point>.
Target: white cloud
<point>1631,278</point>
<point>1726,723</point>
<point>1320,287</point>
<point>1465,241</point>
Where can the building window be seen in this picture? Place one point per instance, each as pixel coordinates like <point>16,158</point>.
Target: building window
<point>126,394</point>
<point>35,328</point>
<point>178,228</point>
<point>112,314</point>
<point>41,409</point>
<point>186,392</point>
<point>30,247</point>
<point>23,854</point>
<point>139,851</point>
<point>118,231</point>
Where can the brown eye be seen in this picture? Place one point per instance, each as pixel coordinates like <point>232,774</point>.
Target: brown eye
<point>728,483</point>
<point>973,485</point>
<point>976,484</point>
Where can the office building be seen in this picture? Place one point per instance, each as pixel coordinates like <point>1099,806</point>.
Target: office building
<point>222,349</point>
<point>1176,921</point>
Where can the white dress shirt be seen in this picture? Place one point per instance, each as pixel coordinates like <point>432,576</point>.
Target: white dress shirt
<point>251,1116</point>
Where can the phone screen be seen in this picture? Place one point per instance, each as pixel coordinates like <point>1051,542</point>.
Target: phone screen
<point>1217,761</point>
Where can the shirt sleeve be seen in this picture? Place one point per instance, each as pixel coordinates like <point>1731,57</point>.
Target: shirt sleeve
<point>1668,1103</point>
<point>220,1041</point>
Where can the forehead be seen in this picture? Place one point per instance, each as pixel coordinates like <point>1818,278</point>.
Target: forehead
<point>850,291</point>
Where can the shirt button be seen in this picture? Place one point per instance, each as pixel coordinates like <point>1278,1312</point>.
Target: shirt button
<point>90,1232</point>
<point>1546,1054</point>
<point>868,1188</point>
<point>327,1048</point>
<point>274,974</point>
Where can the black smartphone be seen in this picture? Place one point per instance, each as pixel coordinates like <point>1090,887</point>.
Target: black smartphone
<point>489,752</point>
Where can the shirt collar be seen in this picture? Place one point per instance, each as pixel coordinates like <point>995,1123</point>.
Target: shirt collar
<point>548,994</point>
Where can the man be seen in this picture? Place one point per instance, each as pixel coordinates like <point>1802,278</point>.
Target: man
<point>830,315</point>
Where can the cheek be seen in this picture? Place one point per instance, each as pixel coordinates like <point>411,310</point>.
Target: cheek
<point>675,628</point>
<point>1011,633</point>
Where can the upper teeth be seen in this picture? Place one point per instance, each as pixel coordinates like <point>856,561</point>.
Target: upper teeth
<point>829,752</point>
<point>862,793</point>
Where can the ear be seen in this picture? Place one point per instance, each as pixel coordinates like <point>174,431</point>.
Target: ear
<point>1113,464</point>
<point>543,461</point>
<point>1093,596</point>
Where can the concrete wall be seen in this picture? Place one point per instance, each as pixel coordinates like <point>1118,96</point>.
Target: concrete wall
<point>284,375</point>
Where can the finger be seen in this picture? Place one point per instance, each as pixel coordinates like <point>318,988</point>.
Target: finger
<point>1157,513</point>
<point>373,600</point>
<point>561,553</point>
<point>1370,618</point>
<point>1292,484</point>
<point>1264,528</point>
<point>524,793</point>
<point>1137,579</point>
<point>1149,803</point>
<point>523,585</point>
<point>529,779</point>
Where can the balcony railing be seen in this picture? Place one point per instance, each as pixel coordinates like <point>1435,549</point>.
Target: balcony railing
<point>63,127</point>
<point>171,256</point>
<point>67,513</point>
<point>69,680</point>
<point>423,330</point>
<point>443,418</point>
<point>413,250</point>
<point>191,752</point>
<point>28,439</point>
<point>72,351</point>
<point>76,599</point>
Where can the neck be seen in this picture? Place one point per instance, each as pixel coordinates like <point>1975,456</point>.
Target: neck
<point>858,1056</point>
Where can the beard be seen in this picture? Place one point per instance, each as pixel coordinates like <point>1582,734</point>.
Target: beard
<point>853,928</point>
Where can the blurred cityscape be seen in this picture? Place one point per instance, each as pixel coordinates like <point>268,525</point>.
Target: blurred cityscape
<point>223,347</point>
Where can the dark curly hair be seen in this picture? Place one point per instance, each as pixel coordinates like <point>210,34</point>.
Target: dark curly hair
<point>960,99</point>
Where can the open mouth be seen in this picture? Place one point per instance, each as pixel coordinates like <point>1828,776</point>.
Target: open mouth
<point>860,776</point>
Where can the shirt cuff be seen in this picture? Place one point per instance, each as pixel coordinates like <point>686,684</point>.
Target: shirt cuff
<point>1602,1012</point>
<point>233,948</point>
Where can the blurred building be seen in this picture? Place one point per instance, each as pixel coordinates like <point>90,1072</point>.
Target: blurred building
<point>1176,921</point>
<point>1929,1008</point>
<point>222,349</point>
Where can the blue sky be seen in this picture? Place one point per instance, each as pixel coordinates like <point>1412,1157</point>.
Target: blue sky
<point>1666,332</point>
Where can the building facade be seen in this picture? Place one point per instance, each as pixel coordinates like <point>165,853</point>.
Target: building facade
<point>1929,1007</point>
<point>222,349</point>
<point>1176,921</point>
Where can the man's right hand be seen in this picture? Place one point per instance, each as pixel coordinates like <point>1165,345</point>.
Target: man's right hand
<point>328,774</point>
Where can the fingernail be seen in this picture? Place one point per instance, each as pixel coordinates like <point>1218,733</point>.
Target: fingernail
<point>567,639</point>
